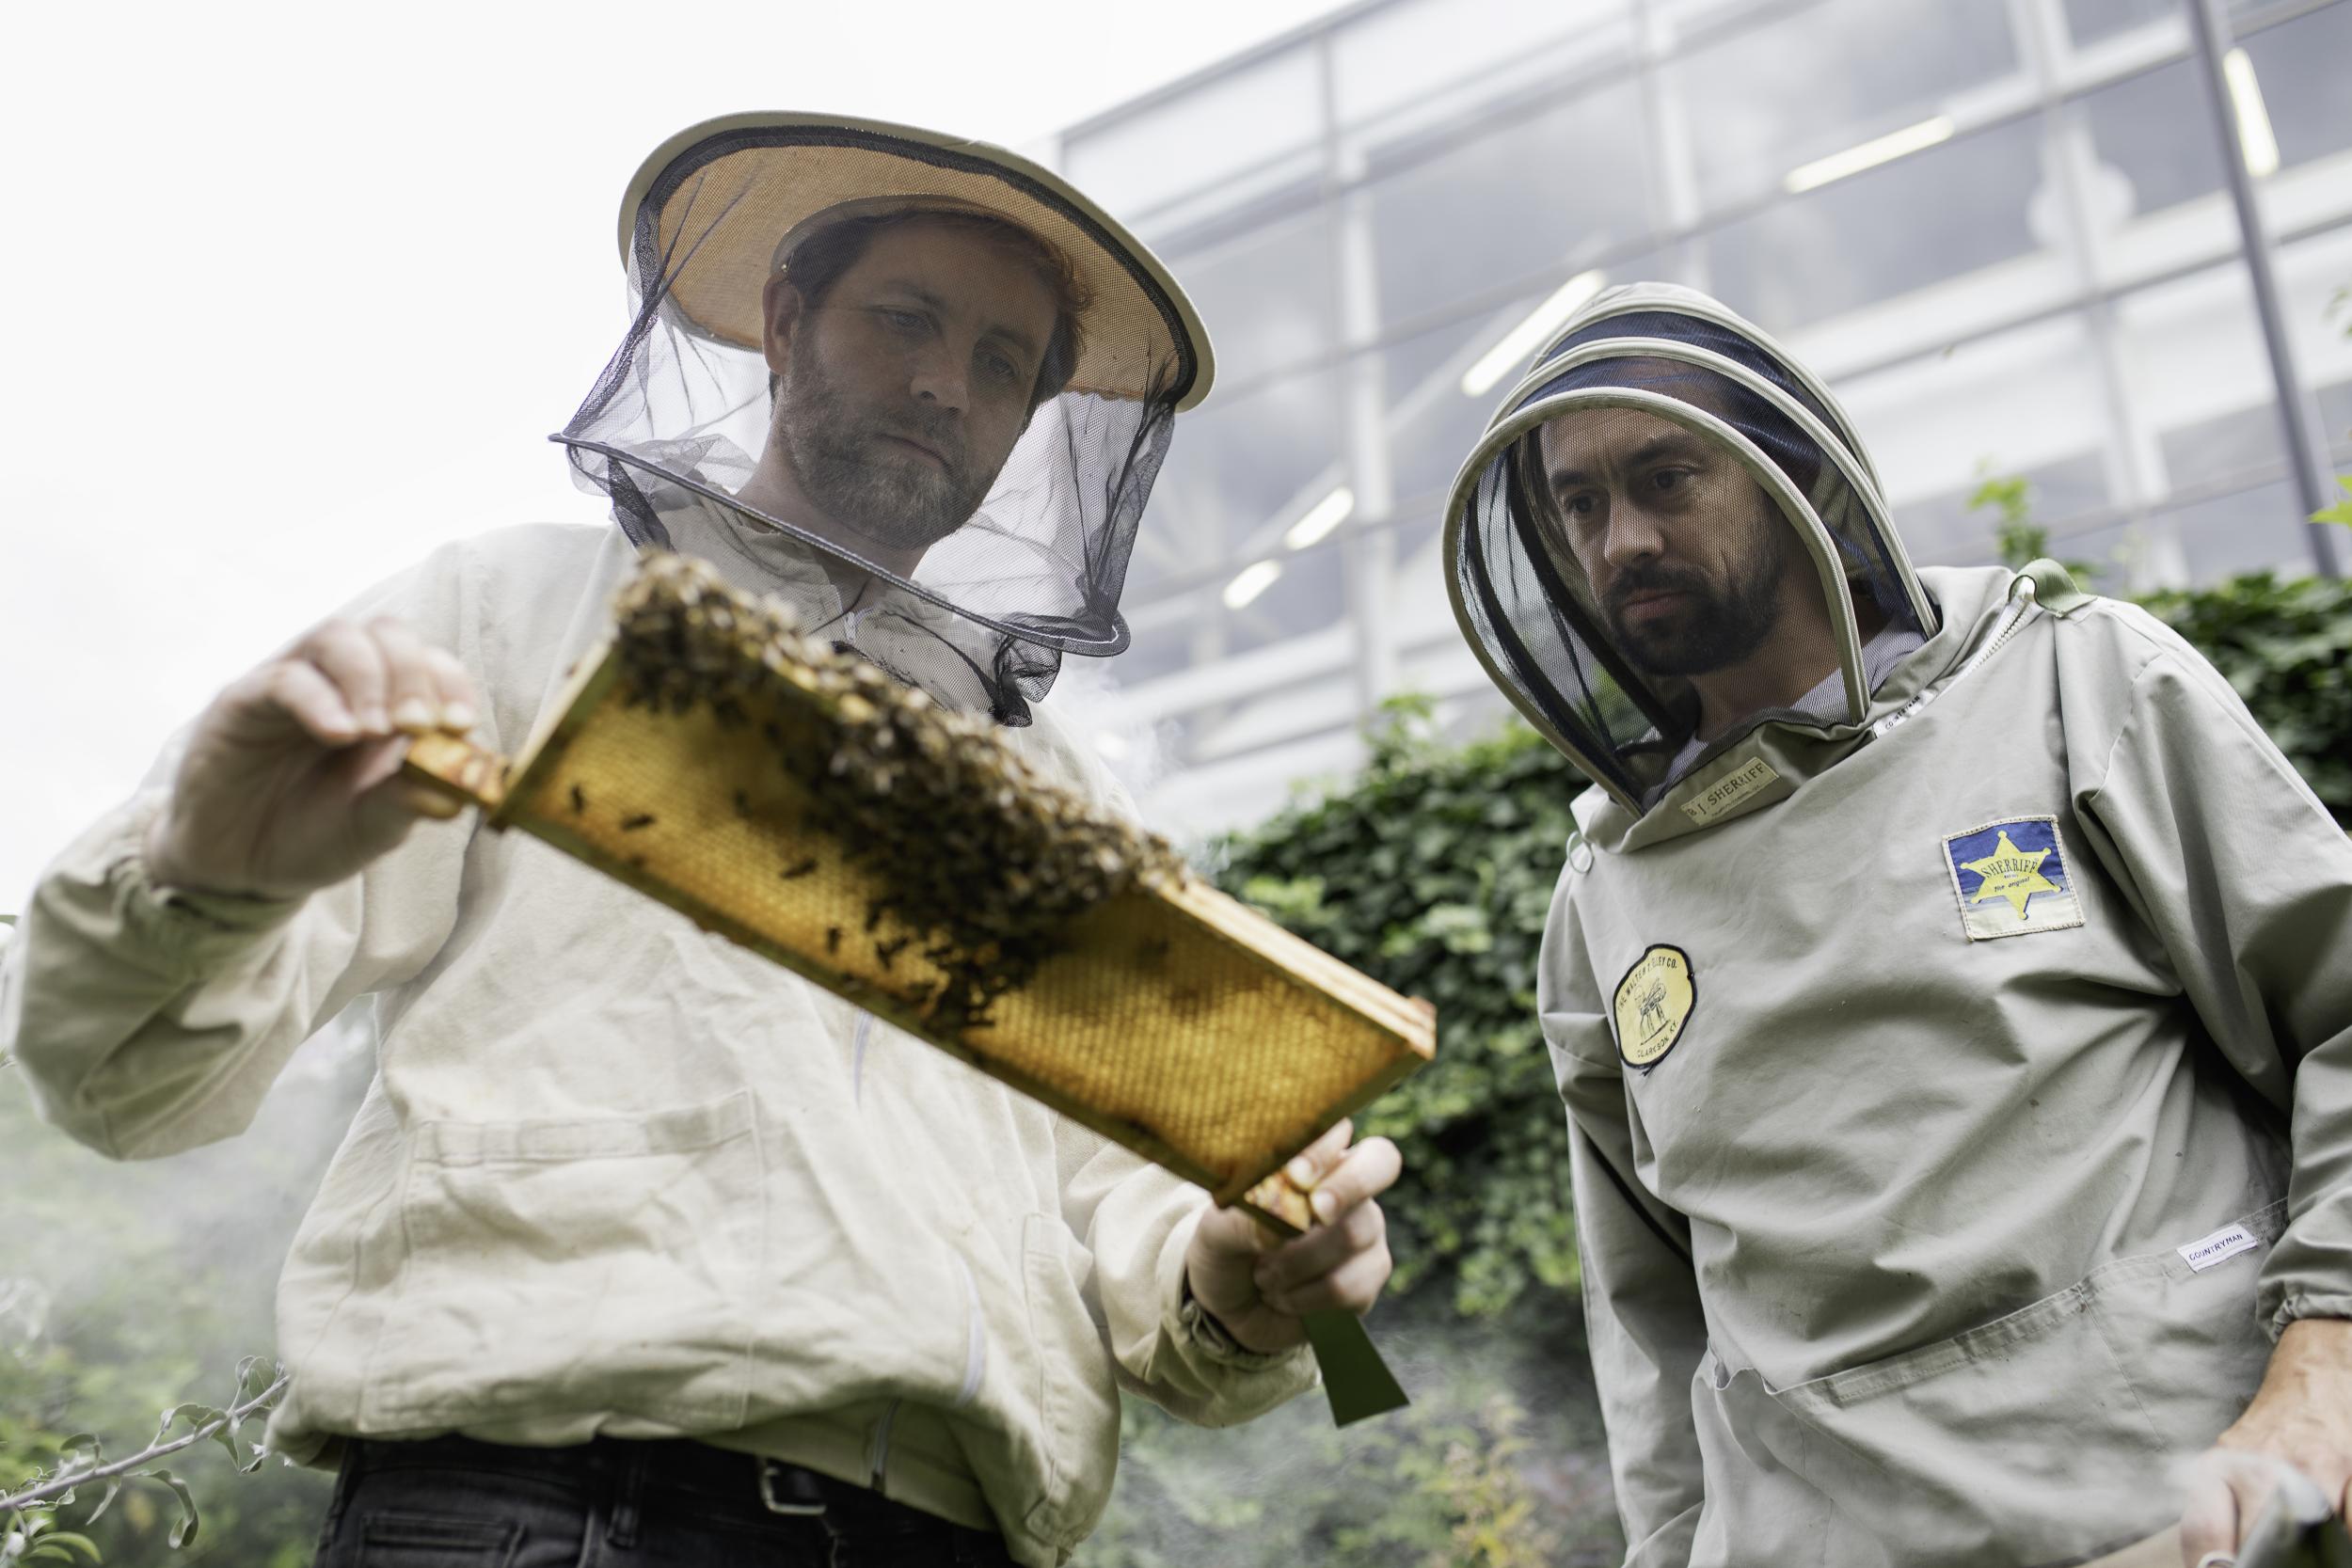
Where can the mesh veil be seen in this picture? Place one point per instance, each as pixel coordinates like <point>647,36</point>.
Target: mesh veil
<point>677,420</point>
<point>1638,371</point>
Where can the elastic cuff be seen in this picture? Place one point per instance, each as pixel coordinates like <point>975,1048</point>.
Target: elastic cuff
<point>1218,1345</point>
<point>2295,1308</point>
<point>190,930</point>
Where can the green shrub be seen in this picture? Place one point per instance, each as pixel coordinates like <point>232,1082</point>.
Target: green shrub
<point>2286,647</point>
<point>1432,873</point>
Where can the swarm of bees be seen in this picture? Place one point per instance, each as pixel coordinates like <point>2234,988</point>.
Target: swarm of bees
<point>984,859</point>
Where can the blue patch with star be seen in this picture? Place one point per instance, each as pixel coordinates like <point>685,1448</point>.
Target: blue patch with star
<point>2011,879</point>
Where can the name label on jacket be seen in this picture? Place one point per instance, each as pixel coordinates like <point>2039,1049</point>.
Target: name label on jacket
<point>1727,795</point>
<point>2219,1247</point>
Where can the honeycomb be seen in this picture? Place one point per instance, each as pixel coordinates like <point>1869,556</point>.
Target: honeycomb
<point>799,802</point>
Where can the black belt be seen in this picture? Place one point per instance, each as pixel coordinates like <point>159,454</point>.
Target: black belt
<point>720,1483</point>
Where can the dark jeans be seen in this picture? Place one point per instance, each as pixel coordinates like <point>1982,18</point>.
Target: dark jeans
<point>452,1502</point>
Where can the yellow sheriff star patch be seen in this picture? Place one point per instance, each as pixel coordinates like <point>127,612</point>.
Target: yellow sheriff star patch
<point>2012,877</point>
<point>2012,873</point>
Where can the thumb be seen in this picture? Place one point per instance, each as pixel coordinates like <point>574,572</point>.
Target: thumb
<point>387,803</point>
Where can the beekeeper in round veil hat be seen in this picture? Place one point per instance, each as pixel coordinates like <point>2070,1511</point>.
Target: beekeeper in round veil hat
<point>973,532</point>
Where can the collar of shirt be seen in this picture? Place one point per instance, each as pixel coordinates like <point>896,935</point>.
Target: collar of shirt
<point>916,641</point>
<point>1881,653</point>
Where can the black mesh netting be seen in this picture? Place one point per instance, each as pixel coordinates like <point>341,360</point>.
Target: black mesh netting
<point>971,279</point>
<point>1674,426</point>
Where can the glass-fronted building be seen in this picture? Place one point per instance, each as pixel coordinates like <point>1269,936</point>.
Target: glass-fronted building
<point>2001,228</point>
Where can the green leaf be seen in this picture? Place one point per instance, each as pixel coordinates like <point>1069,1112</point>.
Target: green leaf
<point>2342,511</point>
<point>114,1490</point>
<point>185,1530</point>
<point>199,1416</point>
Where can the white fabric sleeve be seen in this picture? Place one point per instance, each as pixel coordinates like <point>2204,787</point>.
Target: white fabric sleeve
<point>1137,1222</point>
<point>151,1021</point>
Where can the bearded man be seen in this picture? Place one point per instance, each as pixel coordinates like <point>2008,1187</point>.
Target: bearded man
<point>1950,987</point>
<point>642,1250</point>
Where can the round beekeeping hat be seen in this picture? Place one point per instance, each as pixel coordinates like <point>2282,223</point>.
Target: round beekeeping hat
<point>715,207</point>
<point>683,411</point>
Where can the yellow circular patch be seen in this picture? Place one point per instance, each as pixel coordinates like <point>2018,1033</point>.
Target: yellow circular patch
<point>1653,1002</point>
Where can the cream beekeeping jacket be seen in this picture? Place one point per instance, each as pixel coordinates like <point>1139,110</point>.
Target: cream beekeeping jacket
<point>616,1175</point>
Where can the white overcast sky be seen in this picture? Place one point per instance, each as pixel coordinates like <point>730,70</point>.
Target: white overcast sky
<point>296,292</point>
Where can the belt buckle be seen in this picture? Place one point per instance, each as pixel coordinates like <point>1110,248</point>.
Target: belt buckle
<point>768,1469</point>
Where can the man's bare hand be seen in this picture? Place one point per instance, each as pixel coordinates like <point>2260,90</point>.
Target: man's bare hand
<point>292,782</point>
<point>2301,1417</point>
<point>1259,1288</point>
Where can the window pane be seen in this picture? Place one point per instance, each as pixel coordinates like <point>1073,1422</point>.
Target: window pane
<point>1946,531</point>
<point>2197,543</point>
<point>1886,231</point>
<point>2335,416</point>
<point>2193,355</point>
<point>1768,99</point>
<point>1221,128</point>
<point>2243,533</point>
<point>1159,646</point>
<point>2305,68</point>
<point>1235,463</point>
<point>2316,300</point>
<point>2091,21</point>
<point>1265,294</point>
<point>1432,422</point>
<point>1544,192</point>
<point>2234,443</point>
<point>2154,138</point>
<point>1400,54</point>
<point>1309,596</point>
<point>2026,402</point>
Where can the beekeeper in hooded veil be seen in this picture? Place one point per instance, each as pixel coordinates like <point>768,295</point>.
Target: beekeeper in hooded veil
<point>644,1250</point>
<point>1949,987</point>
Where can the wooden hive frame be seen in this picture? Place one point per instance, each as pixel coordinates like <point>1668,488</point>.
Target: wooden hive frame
<point>1171,1018</point>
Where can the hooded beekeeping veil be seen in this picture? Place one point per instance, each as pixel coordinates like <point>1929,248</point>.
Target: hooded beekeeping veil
<point>682,413</point>
<point>1699,418</point>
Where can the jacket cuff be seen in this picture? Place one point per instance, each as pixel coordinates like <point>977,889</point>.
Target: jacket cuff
<point>1204,1341</point>
<point>2295,1308</point>
<point>186,935</point>
<point>1210,1339</point>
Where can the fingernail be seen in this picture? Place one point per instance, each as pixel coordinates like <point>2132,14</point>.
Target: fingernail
<point>1325,1205</point>
<point>412,714</point>
<point>372,722</point>
<point>458,716</point>
<point>1300,1172</point>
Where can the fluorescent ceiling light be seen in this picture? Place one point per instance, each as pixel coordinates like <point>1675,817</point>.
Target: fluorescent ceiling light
<point>2253,121</point>
<point>1251,581</point>
<point>1321,518</point>
<point>1885,149</point>
<point>1526,337</point>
